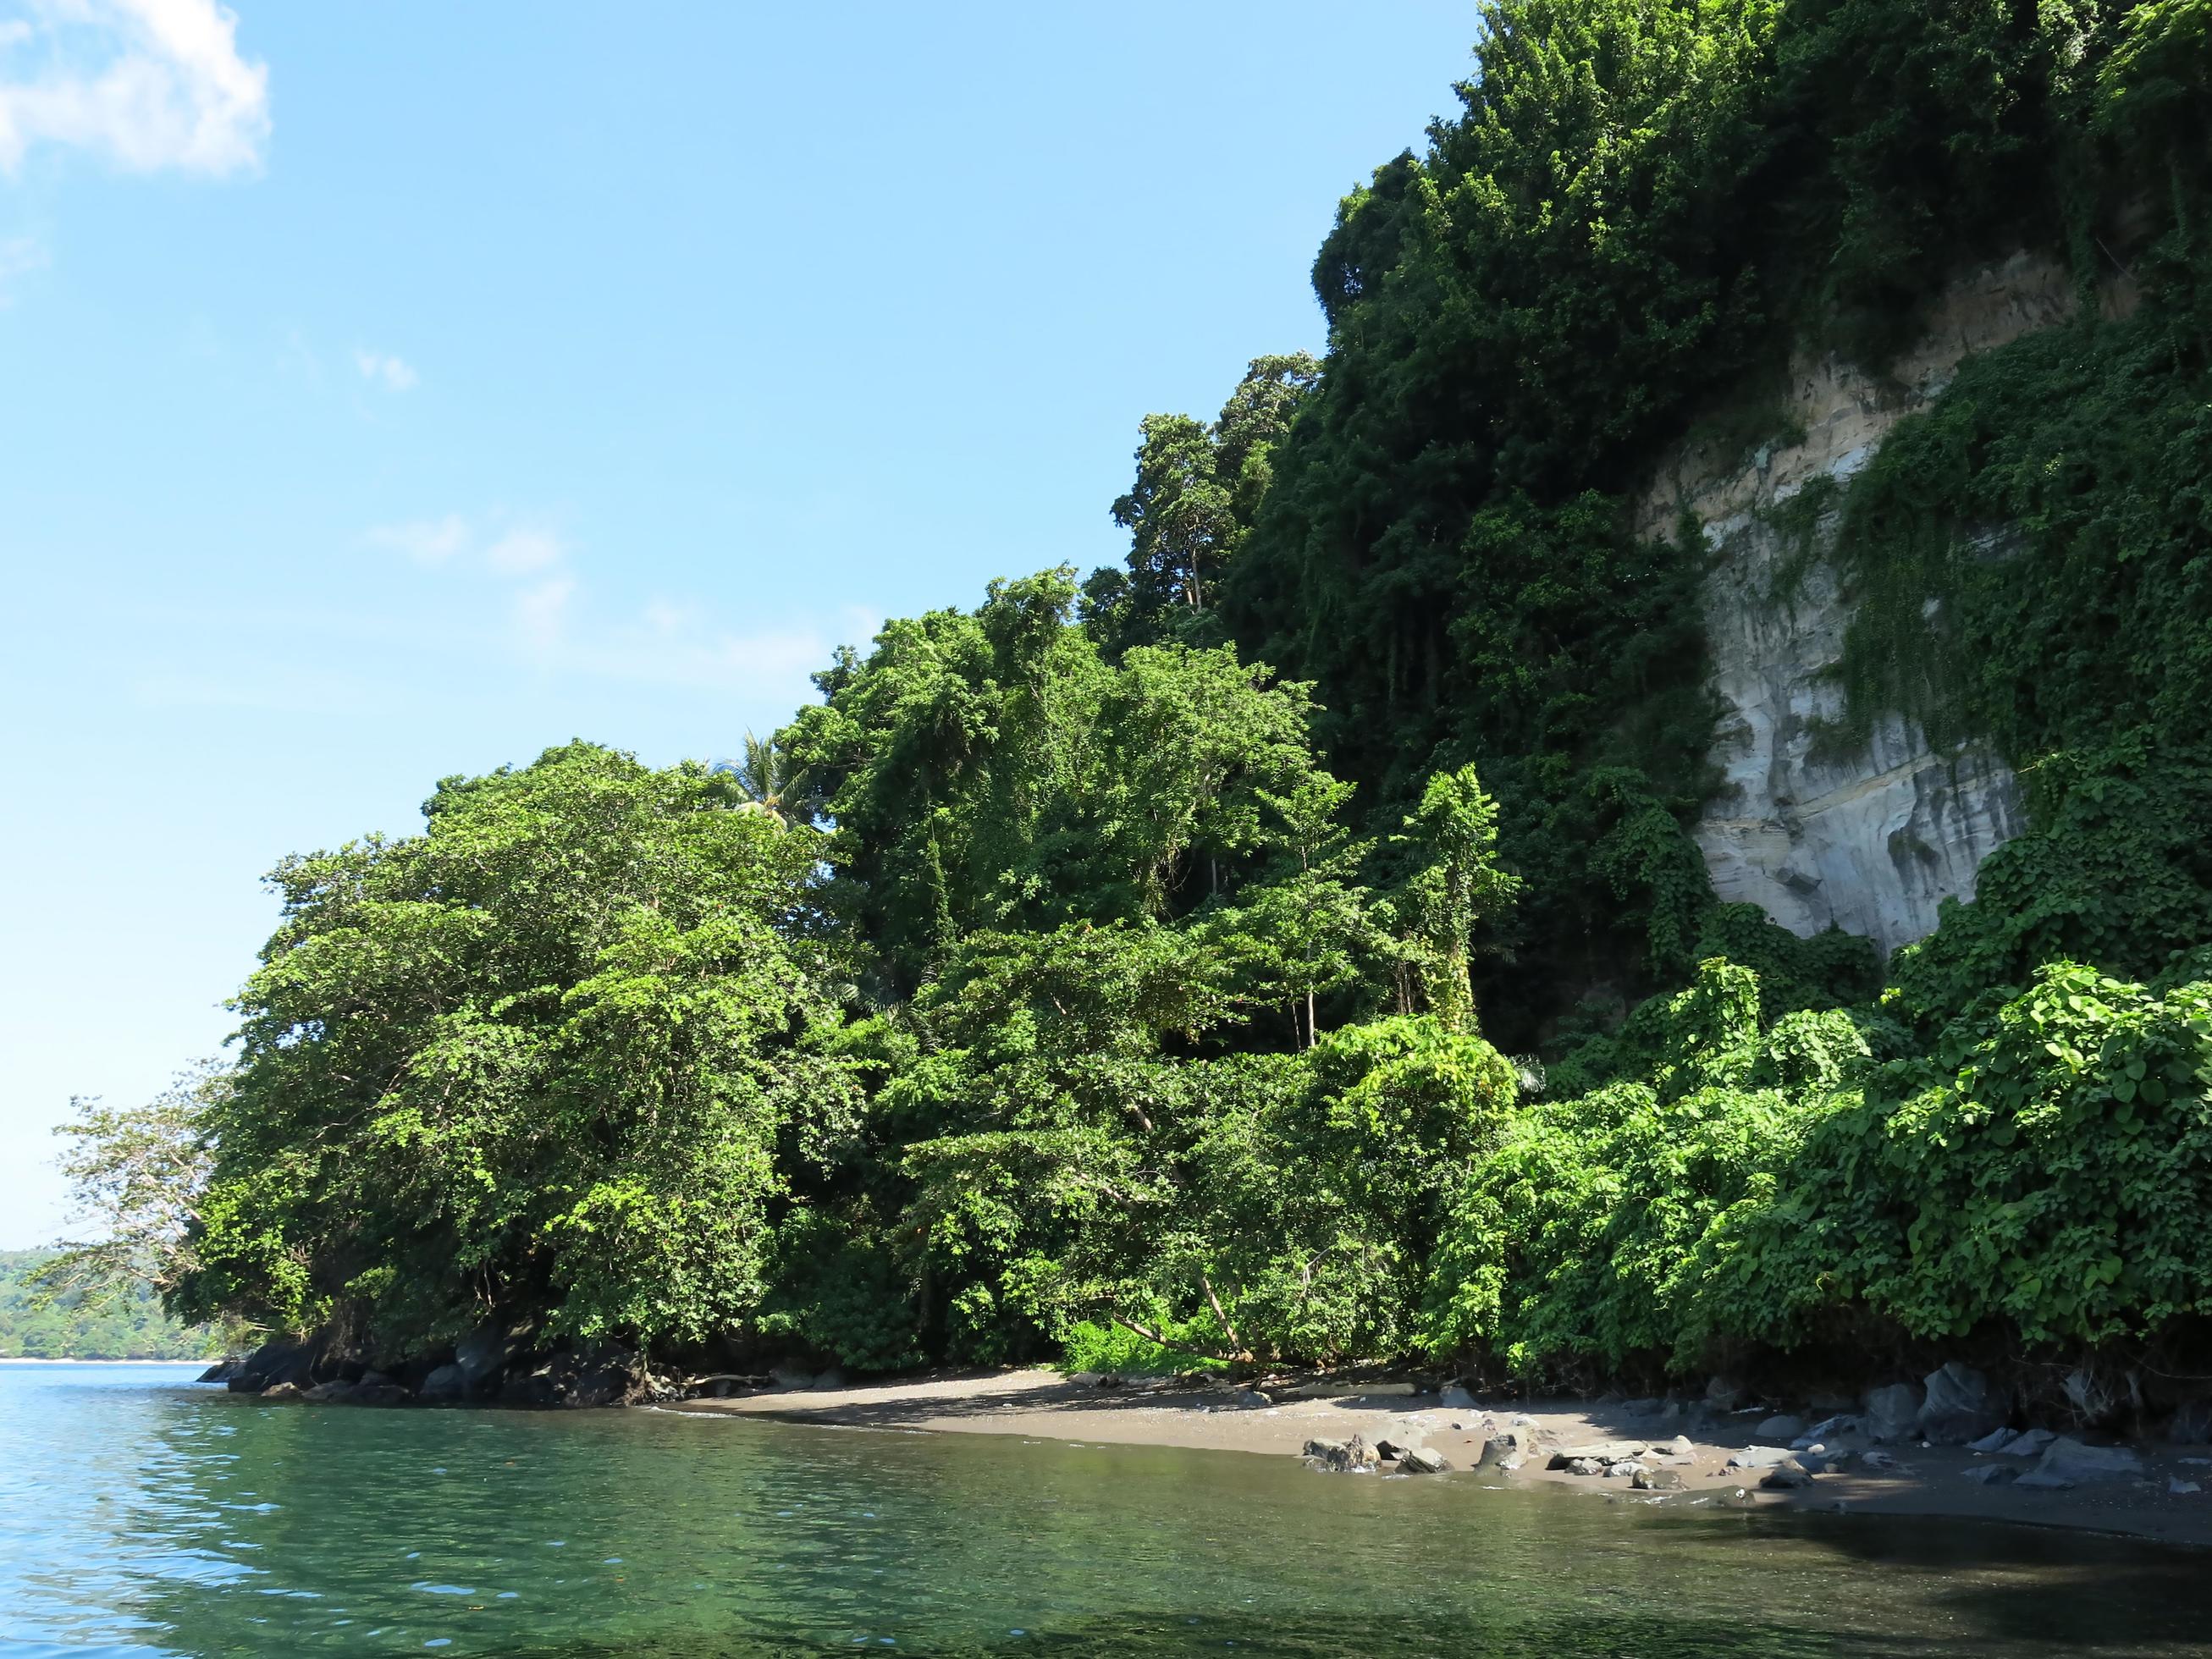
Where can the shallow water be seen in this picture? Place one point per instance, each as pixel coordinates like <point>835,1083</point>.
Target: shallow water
<point>140,1515</point>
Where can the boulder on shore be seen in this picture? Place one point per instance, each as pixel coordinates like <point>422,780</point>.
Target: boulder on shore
<point>1782,1426</point>
<point>2192,1425</point>
<point>1960,1406</point>
<point>1352,1456</point>
<point>1600,1452</point>
<point>446,1383</point>
<point>2069,1462</point>
<point>1762,1457</point>
<point>1893,1413</point>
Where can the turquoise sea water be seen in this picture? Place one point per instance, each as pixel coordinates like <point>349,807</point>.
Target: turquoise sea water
<point>140,1514</point>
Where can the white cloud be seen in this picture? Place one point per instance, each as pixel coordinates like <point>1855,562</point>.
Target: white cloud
<point>541,612</point>
<point>426,541</point>
<point>381,368</point>
<point>150,84</point>
<point>520,552</point>
<point>18,257</point>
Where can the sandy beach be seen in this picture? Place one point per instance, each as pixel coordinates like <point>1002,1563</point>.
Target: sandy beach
<point>1926,1480</point>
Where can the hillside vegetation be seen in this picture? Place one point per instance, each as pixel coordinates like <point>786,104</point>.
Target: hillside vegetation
<point>135,1327</point>
<point>1197,956</point>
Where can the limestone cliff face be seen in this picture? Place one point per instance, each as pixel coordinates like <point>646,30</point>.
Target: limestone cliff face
<point>1873,841</point>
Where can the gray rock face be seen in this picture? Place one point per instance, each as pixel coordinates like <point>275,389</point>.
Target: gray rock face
<point>1658,1480</point>
<point>446,1383</point>
<point>1893,1413</point>
<point>1579,1465</point>
<point>1781,1427</point>
<point>1787,1475</point>
<point>1419,1460</point>
<point>583,1377</point>
<point>1960,1406</point>
<point>1874,840</point>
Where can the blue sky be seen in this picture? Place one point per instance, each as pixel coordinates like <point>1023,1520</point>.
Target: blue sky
<point>394,390</point>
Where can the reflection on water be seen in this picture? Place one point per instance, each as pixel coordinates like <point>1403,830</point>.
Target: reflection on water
<point>139,1516</point>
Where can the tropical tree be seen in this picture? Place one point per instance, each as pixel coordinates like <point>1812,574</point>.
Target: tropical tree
<point>557,1057</point>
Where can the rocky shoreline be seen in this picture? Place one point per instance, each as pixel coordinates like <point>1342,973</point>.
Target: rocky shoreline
<point>1949,1445</point>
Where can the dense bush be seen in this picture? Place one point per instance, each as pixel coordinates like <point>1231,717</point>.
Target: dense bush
<point>2042,1174</point>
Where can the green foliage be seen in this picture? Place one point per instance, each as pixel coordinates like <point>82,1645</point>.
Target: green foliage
<point>1197,491</point>
<point>1067,978</point>
<point>2042,1173</point>
<point>1117,1350</point>
<point>993,770</point>
<point>557,1057</point>
<point>128,1324</point>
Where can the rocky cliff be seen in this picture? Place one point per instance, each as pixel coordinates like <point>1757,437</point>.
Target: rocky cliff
<point>1871,841</point>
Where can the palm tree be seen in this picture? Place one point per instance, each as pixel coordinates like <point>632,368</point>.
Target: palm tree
<point>765,776</point>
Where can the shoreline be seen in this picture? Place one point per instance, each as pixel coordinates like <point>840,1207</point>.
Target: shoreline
<point>39,1359</point>
<point>1926,1481</point>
